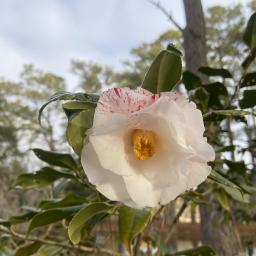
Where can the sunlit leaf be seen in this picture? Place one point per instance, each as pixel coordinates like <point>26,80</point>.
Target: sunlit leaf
<point>76,225</point>
<point>52,215</point>
<point>131,223</point>
<point>164,72</point>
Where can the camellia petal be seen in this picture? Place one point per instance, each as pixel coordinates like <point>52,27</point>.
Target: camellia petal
<point>106,182</point>
<point>118,164</point>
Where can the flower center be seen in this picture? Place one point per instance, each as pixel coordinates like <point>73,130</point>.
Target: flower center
<point>144,144</point>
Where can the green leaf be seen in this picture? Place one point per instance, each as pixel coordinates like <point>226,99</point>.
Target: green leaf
<point>223,199</point>
<point>219,115</point>
<point>201,98</point>
<point>57,159</point>
<point>249,80</point>
<point>235,191</point>
<point>24,217</point>
<point>29,249</point>
<point>151,78</point>
<point>164,72</point>
<point>74,107</point>
<point>199,251</point>
<point>191,81</point>
<point>93,98</point>
<point>52,215</point>
<point>68,200</point>
<point>77,126</point>
<point>75,227</point>
<point>249,99</point>
<point>131,223</point>
<point>43,177</point>
<point>215,72</point>
<point>169,72</point>
<point>250,32</point>
<point>237,195</point>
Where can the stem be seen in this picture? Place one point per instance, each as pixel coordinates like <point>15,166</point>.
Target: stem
<point>80,248</point>
<point>175,220</point>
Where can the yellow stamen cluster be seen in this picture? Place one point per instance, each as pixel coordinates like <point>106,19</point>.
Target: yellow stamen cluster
<point>144,144</point>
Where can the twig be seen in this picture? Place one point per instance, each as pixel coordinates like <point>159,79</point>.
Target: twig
<point>159,6</point>
<point>175,220</point>
<point>80,248</point>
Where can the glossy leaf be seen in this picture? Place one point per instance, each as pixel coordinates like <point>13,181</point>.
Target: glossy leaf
<point>56,159</point>
<point>131,223</point>
<point>191,81</point>
<point>77,126</point>
<point>29,249</point>
<point>74,107</point>
<point>93,98</point>
<point>164,72</point>
<point>43,177</point>
<point>215,72</point>
<point>75,227</point>
<point>69,200</point>
<point>249,99</point>
<point>151,78</point>
<point>231,188</point>
<point>250,32</point>
<point>199,251</point>
<point>52,215</point>
<point>169,72</point>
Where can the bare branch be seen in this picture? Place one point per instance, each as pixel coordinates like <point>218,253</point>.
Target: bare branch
<point>80,248</point>
<point>160,7</point>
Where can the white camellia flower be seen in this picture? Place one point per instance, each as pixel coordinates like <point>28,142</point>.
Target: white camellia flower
<point>145,149</point>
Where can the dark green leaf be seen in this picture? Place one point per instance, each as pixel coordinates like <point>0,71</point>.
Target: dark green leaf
<point>249,59</point>
<point>74,107</point>
<point>219,115</point>
<point>77,127</point>
<point>249,99</point>
<point>250,32</point>
<point>69,200</point>
<point>52,215</point>
<point>76,225</point>
<point>215,72</point>
<point>29,249</point>
<point>199,251</point>
<point>201,98</point>
<point>249,80</point>
<point>131,223</point>
<point>43,177</point>
<point>57,159</point>
<point>191,81</point>
<point>24,217</point>
<point>93,98</point>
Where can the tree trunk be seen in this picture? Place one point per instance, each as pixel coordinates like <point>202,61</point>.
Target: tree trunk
<point>223,237</point>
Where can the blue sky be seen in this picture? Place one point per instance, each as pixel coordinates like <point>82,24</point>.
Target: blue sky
<point>49,33</point>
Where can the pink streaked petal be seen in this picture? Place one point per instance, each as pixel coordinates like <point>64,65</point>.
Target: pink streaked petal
<point>125,100</point>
